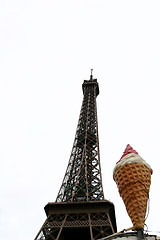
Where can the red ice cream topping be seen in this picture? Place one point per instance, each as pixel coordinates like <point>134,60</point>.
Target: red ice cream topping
<point>128,150</point>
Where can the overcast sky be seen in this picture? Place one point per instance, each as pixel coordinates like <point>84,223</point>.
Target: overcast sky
<point>47,49</point>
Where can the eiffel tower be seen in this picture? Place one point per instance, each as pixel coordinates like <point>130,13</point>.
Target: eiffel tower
<point>80,211</point>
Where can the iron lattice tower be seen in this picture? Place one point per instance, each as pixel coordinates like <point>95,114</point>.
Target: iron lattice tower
<point>80,211</point>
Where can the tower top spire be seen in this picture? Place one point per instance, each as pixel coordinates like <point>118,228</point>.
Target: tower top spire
<point>91,76</point>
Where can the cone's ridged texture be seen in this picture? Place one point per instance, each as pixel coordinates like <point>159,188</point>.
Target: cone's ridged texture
<point>133,181</point>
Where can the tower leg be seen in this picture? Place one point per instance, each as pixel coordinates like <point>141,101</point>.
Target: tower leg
<point>41,229</point>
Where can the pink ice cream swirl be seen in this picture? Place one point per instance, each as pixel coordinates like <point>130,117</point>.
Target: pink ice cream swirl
<point>130,156</point>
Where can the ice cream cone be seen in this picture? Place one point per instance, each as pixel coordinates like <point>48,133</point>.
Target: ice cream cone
<point>133,179</point>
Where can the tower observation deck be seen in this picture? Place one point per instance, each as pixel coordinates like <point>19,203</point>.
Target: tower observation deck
<point>80,211</point>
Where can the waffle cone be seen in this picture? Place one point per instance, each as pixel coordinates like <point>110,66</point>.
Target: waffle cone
<point>133,181</point>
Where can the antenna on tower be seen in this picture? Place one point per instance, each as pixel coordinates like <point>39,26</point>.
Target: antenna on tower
<point>91,77</point>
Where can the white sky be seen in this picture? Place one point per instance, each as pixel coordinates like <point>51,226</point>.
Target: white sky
<point>46,51</point>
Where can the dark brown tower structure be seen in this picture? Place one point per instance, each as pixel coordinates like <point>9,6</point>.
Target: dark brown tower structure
<point>80,211</point>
